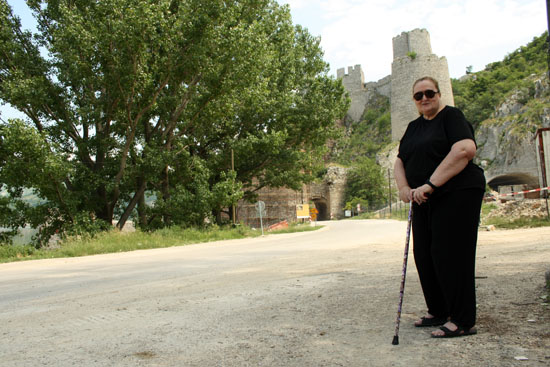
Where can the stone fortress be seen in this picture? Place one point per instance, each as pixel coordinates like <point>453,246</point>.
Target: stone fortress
<point>412,59</point>
<point>510,162</point>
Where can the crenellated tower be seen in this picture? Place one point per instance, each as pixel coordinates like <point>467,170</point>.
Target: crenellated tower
<point>412,60</point>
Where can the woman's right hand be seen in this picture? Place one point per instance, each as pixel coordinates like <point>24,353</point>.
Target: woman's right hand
<point>405,194</point>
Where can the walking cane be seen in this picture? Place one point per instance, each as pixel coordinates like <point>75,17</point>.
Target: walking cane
<point>403,276</point>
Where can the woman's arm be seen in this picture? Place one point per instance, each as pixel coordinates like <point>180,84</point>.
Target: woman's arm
<point>461,153</point>
<point>401,181</point>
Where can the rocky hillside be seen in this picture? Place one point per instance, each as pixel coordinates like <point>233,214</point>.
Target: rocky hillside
<point>506,141</point>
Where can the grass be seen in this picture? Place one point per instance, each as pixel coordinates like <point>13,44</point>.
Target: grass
<point>115,241</point>
<point>506,223</point>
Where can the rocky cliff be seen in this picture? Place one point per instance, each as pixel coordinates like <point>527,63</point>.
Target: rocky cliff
<point>506,142</point>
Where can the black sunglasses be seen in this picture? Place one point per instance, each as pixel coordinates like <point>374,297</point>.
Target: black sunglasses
<point>428,93</point>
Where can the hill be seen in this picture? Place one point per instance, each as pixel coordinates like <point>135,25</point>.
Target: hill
<point>476,94</point>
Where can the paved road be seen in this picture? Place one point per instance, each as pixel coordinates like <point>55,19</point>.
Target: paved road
<point>180,304</point>
<point>324,298</point>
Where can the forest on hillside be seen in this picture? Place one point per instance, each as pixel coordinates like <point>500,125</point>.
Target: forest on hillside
<point>477,94</point>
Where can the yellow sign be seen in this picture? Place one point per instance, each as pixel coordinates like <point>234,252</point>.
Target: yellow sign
<point>302,211</point>
<point>313,213</point>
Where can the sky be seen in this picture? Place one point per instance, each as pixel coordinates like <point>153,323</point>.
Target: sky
<point>467,32</point>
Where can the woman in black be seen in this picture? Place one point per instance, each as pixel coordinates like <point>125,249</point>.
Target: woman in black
<point>434,170</point>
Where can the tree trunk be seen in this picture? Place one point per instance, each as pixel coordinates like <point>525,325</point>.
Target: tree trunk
<point>139,194</point>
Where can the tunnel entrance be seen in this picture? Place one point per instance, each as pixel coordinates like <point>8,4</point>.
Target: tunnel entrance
<point>513,179</point>
<point>322,208</point>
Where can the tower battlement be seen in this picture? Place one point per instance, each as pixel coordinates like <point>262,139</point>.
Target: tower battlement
<point>417,41</point>
<point>412,60</point>
<point>354,80</point>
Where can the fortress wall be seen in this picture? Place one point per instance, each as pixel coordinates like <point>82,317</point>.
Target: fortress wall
<point>406,70</point>
<point>417,40</point>
<point>280,204</point>
<point>354,83</point>
<point>359,91</point>
<point>353,80</point>
<point>359,100</point>
<point>398,86</point>
<point>383,86</point>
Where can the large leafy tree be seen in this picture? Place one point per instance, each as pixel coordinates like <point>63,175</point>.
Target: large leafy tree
<point>128,97</point>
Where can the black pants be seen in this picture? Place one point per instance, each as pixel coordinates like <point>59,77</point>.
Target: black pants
<point>445,237</point>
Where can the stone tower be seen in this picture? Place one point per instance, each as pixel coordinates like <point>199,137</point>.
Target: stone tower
<point>412,60</point>
<point>359,91</point>
<point>354,82</point>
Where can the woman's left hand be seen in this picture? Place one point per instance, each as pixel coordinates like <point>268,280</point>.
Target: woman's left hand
<point>420,194</point>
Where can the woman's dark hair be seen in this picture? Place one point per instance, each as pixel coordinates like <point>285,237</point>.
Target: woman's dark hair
<point>430,79</point>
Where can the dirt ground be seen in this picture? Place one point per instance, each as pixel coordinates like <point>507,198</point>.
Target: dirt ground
<point>323,298</point>
<point>513,310</point>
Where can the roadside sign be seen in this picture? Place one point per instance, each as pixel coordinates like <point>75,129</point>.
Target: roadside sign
<point>302,211</point>
<point>313,213</point>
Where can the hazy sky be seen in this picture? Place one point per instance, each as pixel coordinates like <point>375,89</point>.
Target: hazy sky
<point>466,32</point>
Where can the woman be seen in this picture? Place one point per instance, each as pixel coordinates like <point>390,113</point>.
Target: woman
<point>434,170</point>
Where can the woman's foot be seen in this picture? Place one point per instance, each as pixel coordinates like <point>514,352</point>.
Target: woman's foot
<point>451,330</point>
<point>430,320</point>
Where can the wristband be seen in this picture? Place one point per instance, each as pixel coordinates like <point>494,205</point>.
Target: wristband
<point>429,183</point>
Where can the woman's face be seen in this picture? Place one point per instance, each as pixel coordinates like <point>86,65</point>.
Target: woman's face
<point>429,107</point>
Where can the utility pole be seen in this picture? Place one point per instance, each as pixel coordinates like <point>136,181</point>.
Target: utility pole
<point>233,169</point>
<point>389,184</point>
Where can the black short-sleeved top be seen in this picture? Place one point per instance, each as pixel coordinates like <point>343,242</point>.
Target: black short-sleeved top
<point>427,142</point>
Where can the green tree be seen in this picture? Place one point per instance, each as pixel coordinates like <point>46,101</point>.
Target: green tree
<point>128,97</point>
<point>479,94</point>
<point>367,136</point>
<point>365,184</point>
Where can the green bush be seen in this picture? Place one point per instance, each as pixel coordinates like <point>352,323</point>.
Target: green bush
<point>478,94</point>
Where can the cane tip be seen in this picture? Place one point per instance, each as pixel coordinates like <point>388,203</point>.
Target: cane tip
<point>395,340</point>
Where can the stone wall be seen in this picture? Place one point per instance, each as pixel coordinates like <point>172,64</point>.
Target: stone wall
<point>335,182</point>
<point>280,204</point>
<point>412,59</point>
<point>417,40</point>
<point>361,92</point>
<point>383,86</point>
<point>327,196</point>
<point>354,83</point>
<point>406,69</point>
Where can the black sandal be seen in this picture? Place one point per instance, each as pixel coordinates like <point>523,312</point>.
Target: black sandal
<point>447,333</point>
<point>431,321</point>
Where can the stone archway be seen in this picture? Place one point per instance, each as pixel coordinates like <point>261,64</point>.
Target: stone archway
<point>512,179</point>
<point>322,208</point>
